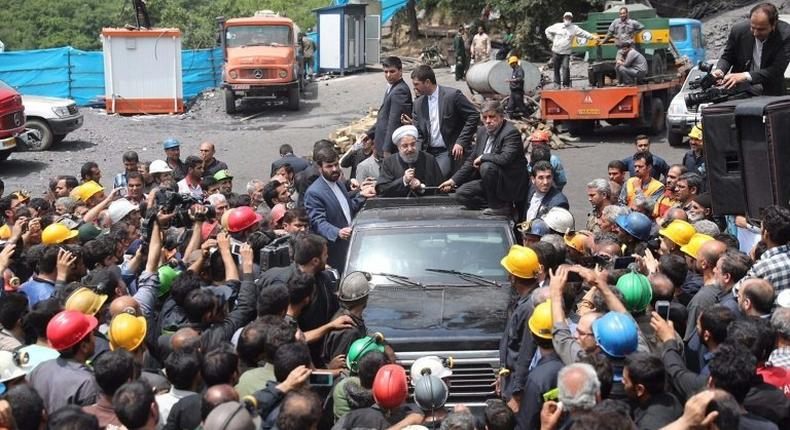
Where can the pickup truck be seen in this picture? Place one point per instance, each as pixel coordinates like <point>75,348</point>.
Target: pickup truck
<point>439,288</point>
<point>52,117</point>
<point>12,119</point>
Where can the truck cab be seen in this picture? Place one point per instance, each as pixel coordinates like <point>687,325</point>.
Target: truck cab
<point>439,287</point>
<point>261,59</point>
<point>686,35</point>
<point>12,119</point>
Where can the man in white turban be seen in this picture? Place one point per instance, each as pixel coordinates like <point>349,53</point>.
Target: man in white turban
<point>410,169</point>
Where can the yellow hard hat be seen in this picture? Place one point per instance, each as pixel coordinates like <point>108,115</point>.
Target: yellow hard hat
<point>88,190</point>
<point>576,240</point>
<point>540,322</point>
<point>522,262</point>
<point>85,300</point>
<point>694,244</point>
<point>127,332</point>
<point>512,60</point>
<point>678,231</point>
<point>5,232</point>
<point>56,233</point>
<point>696,132</point>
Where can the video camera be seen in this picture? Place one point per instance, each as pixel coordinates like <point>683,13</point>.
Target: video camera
<point>708,92</point>
<point>169,201</point>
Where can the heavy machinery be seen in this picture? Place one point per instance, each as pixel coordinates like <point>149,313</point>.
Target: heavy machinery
<point>261,59</point>
<point>643,104</point>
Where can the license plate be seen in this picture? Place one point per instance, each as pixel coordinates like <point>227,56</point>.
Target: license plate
<point>241,86</point>
<point>589,111</point>
<point>8,143</point>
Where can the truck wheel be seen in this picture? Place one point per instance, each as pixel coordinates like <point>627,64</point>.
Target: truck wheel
<point>674,139</point>
<point>230,102</point>
<point>658,117</point>
<point>293,98</point>
<point>47,138</point>
<point>579,127</point>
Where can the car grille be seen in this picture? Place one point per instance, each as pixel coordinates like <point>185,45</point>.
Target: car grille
<point>12,120</point>
<point>472,379</point>
<point>73,109</point>
<point>259,73</point>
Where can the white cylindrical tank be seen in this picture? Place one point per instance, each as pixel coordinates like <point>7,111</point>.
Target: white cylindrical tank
<point>490,77</point>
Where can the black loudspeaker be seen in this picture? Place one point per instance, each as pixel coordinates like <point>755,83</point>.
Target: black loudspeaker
<point>747,154</point>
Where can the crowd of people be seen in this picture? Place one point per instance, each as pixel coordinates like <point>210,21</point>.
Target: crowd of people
<point>172,299</point>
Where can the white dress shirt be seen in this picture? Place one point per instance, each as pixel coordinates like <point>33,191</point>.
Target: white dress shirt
<point>341,198</point>
<point>433,116</point>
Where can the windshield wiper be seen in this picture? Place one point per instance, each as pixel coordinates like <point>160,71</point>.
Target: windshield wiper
<point>467,276</point>
<point>400,279</point>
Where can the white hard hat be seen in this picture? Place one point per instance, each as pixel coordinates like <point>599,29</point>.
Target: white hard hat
<point>430,364</point>
<point>120,208</point>
<point>9,369</point>
<point>159,166</point>
<point>783,299</point>
<point>560,220</point>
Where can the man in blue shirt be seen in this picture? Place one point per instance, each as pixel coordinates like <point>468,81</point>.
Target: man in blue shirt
<point>41,285</point>
<point>660,167</point>
<point>130,162</point>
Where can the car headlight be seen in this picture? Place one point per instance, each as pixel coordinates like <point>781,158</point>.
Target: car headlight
<point>233,74</point>
<point>61,111</point>
<point>283,74</point>
<point>677,107</point>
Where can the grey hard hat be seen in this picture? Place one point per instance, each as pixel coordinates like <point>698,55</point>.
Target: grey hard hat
<point>355,286</point>
<point>430,392</point>
<point>229,416</point>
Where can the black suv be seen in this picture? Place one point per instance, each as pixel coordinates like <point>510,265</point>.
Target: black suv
<point>439,286</point>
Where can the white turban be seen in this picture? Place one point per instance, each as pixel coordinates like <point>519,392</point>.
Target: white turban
<point>401,132</point>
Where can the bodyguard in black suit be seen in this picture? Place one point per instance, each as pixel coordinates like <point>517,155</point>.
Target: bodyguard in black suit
<point>495,175</point>
<point>758,51</point>
<point>397,101</point>
<point>457,119</point>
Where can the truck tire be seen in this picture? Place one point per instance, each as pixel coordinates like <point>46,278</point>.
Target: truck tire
<point>47,138</point>
<point>657,121</point>
<point>579,127</point>
<point>230,102</point>
<point>293,98</point>
<point>674,139</point>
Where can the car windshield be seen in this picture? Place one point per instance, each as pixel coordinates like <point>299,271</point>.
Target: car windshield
<point>259,35</point>
<point>678,33</point>
<point>409,251</point>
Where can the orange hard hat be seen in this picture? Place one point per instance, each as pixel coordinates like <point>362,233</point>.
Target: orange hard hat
<point>242,218</point>
<point>540,136</point>
<point>68,328</point>
<point>389,387</point>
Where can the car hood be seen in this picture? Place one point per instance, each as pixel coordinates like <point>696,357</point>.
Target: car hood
<point>260,55</point>
<point>29,101</point>
<point>438,318</point>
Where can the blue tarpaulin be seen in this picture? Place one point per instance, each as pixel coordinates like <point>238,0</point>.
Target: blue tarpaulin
<point>388,8</point>
<point>79,75</point>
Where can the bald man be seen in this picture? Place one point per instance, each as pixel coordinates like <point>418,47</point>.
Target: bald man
<point>186,337</point>
<point>190,411</point>
<point>229,416</point>
<point>124,304</point>
<point>711,292</point>
<point>756,297</point>
<point>299,407</point>
<point>210,164</point>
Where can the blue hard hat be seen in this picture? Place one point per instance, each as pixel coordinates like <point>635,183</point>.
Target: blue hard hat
<point>616,333</point>
<point>537,227</point>
<point>636,224</point>
<point>171,143</point>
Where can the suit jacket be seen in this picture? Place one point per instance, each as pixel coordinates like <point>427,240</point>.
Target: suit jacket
<point>552,199</point>
<point>396,102</point>
<point>298,163</point>
<point>776,54</point>
<point>459,118</point>
<point>390,182</point>
<point>326,217</point>
<point>508,154</point>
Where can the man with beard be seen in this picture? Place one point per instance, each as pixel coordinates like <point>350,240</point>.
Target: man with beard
<point>409,169</point>
<point>331,207</point>
<point>397,101</point>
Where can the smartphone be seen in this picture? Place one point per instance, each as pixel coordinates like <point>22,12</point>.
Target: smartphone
<point>623,262</point>
<point>662,309</point>
<point>321,379</point>
<point>235,247</point>
<point>123,192</point>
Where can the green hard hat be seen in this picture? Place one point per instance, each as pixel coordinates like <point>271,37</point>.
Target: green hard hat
<point>636,290</point>
<point>167,275</point>
<point>361,347</point>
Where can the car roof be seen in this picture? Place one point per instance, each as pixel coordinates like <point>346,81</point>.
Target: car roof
<point>424,210</point>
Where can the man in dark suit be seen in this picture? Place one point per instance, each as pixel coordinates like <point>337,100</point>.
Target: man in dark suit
<point>408,170</point>
<point>445,119</point>
<point>397,101</point>
<point>757,51</point>
<point>495,175</point>
<point>330,207</point>
<point>543,195</point>
<point>287,157</point>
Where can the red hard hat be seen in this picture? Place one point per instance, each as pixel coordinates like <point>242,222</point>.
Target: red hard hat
<point>68,328</point>
<point>389,387</point>
<point>540,136</point>
<point>242,218</point>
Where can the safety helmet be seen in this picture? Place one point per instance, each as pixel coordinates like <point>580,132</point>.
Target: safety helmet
<point>678,231</point>
<point>560,220</point>
<point>696,132</point>
<point>223,221</point>
<point>222,175</point>
<point>430,393</point>
<point>430,365</point>
<point>10,365</point>
<point>68,328</point>
<point>512,60</point>
<point>87,232</point>
<point>85,300</point>
<point>540,136</point>
<point>5,232</point>
<point>636,224</point>
<point>577,240</point>
<point>616,334</point>
<point>389,386</point>
<point>88,190</point>
<point>355,286</point>
<point>242,218</point>
<point>167,275</point>
<point>127,331</point>
<point>171,143</point>
<point>120,208</point>
<point>37,354</point>
<point>694,244</point>
<point>535,228</point>
<point>522,262</point>
<point>56,233</point>
<point>159,166</point>
<point>360,347</point>
<point>540,322</point>
<point>636,290</point>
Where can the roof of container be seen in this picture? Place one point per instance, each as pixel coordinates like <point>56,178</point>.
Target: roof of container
<point>253,20</point>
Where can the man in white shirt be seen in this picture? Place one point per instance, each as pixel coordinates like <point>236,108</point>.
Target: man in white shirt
<point>561,35</point>
<point>191,183</point>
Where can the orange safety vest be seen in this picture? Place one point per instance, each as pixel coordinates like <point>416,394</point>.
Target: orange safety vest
<point>631,189</point>
<point>663,204</point>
